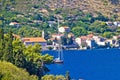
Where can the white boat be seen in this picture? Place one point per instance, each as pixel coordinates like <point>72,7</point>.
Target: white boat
<point>59,58</point>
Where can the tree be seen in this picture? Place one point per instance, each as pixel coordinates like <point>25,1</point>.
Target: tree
<point>35,60</point>
<point>52,77</point>
<point>48,77</point>
<point>9,71</point>
<point>8,53</point>
<point>18,55</point>
<point>1,42</point>
<point>98,27</point>
<point>108,34</point>
<point>79,31</point>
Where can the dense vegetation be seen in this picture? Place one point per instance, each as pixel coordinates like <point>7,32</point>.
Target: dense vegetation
<point>30,58</point>
<point>37,15</point>
<point>10,72</point>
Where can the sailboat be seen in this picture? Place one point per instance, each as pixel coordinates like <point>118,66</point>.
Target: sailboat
<point>59,58</point>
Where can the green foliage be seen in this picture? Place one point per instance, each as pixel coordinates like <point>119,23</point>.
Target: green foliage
<point>18,55</point>
<point>52,77</point>
<point>101,17</point>
<point>50,48</point>
<point>1,42</point>
<point>10,72</point>
<point>98,27</point>
<point>79,31</point>
<point>8,52</point>
<point>28,31</point>
<point>37,17</point>
<point>29,57</point>
<point>1,23</point>
<point>11,9</point>
<point>47,58</point>
<point>35,60</point>
<point>108,34</point>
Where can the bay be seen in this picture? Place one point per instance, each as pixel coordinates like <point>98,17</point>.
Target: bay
<point>97,64</point>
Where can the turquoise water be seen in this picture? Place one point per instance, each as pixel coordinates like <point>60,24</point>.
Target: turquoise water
<point>101,64</point>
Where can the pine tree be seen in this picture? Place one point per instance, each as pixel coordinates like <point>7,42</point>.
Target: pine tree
<point>1,42</point>
<point>18,55</point>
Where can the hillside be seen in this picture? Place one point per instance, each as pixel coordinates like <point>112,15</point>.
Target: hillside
<point>37,15</point>
<point>105,7</point>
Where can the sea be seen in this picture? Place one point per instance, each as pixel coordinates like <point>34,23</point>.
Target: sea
<point>95,64</point>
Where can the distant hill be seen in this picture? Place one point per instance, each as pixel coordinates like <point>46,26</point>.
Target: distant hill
<point>106,7</point>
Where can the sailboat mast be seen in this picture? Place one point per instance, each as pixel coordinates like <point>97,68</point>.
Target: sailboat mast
<point>59,43</point>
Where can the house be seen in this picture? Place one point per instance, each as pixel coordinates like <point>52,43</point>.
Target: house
<point>116,24</point>
<point>16,24</point>
<point>111,42</point>
<point>109,23</point>
<point>91,43</point>
<point>99,40</point>
<point>81,41</point>
<point>86,41</point>
<point>116,40</point>
<point>70,35</point>
<point>34,40</point>
<point>64,29</point>
<point>57,36</point>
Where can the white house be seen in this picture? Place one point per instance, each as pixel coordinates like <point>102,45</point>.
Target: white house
<point>81,41</point>
<point>101,43</point>
<point>14,24</point>
<point>57,35</point>
<point>64,29</point>
<point>99,40</point>
<point>117,24</point>
<point>91,43</point>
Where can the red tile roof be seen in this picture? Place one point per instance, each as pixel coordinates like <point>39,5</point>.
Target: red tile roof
<point>34,39</point>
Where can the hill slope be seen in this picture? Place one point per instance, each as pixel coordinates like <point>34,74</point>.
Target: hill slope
<point>106,7</point>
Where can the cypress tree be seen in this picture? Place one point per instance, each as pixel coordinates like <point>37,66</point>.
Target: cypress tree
<point>8,53</point>
<point>1,42</point>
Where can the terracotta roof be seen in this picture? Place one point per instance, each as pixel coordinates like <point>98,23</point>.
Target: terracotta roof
<point>83,38</point>
<point>13,23</point>
<point>56,34</point>
<point>90,35</point>
<point>34,39</point>
<point>65,27</point>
